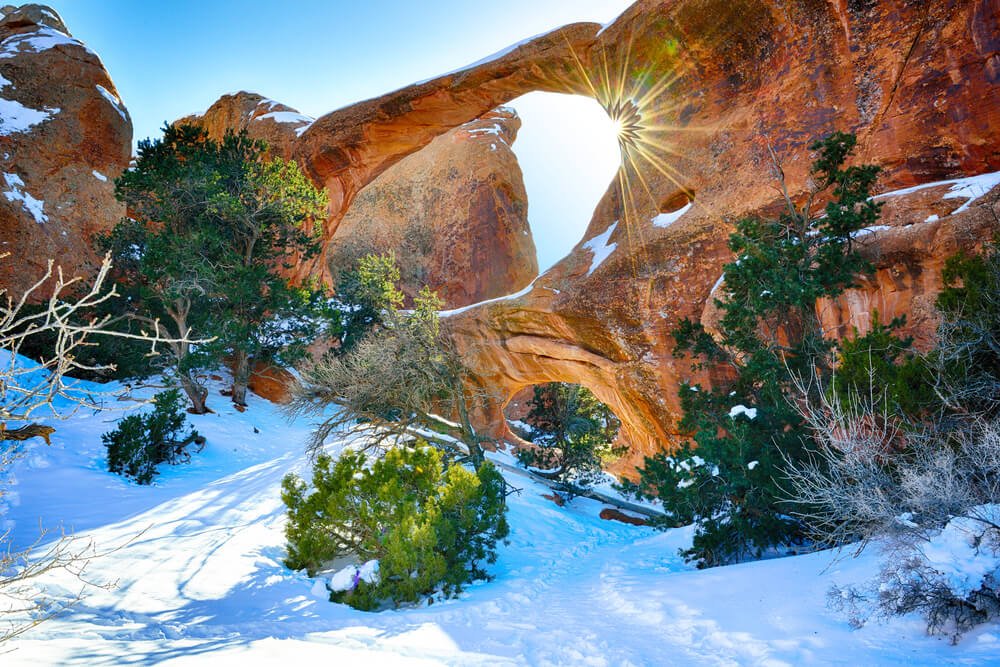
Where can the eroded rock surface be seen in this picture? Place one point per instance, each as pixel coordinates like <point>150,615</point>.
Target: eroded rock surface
<point>713,94</point>
<point>277,124</point>
<point>454,213</point>
<point>65,135</point>
<point>717,86</point>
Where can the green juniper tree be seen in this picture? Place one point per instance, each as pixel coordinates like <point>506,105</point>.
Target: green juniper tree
<point>574,431</point>
<point>269,214</point>
<point>725,479</point>
<point>369,296</point>
<point>211,227</point>
<point>432,527</point>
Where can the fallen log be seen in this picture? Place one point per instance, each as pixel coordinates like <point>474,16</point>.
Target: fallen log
<point>26,432</point>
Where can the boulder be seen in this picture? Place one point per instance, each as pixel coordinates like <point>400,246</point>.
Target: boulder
<point>65,135</point>
<point>277,124</point>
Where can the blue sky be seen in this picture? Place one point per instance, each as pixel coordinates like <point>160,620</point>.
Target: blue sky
<point>172,58</point>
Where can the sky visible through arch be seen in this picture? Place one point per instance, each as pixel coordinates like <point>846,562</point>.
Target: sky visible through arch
<point>170,58</point>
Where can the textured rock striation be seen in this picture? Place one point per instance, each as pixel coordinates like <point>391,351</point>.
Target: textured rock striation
<point>711,94</point>
<point>65,135</point>
<point>709,89</point>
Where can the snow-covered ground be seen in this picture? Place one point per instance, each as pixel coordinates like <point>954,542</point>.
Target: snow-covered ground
<point>200,579</point>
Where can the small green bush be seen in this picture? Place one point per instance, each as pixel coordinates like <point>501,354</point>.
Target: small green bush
<point>430,527</point>
<point>143,441</point>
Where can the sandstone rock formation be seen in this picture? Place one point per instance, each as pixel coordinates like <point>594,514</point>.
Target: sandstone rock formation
<point>455,213</point>
<point>347,149</point>
<point>277,124</point>
<point>706,92</point>
<point>715,84</point>
<point>64,137</point>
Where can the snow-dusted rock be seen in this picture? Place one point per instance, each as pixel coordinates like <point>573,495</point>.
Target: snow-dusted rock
<point>62,123</point>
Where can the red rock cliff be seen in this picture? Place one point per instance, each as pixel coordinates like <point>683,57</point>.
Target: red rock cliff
<point>706,89</point>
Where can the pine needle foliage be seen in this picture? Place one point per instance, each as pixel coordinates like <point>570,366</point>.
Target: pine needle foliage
<point>432,527</point>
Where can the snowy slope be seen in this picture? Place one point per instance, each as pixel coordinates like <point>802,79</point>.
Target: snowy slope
<point>200,580</point>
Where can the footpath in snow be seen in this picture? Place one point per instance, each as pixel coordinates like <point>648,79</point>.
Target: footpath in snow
<point>200,580</point>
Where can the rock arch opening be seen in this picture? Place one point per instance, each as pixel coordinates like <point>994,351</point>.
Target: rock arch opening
<point>564,432</point>
<point>568,150</point>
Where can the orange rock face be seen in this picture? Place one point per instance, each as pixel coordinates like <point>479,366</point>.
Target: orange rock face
<point>710,95</point>
<point>454,213</point>
<point>64,137</point>
<point>716,85</point>
<point>277,124</point>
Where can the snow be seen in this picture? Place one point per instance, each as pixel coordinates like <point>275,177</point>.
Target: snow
<point>490,58</point>
<point>717,285</point>
<point>667,219</point>
<point>970,189</point>
<point>601,248</point>
<point>15,117</point>
<point>509,297</point>
<point>347,579</point>
<point>197,558</point>
<point>35,207</point>
<point>285,117</point>
<point>869,230</point>
<point>41,39</point>
<point>4,81</point>
<point>957,556</point>
<point>99,176</point>
<point>737,410</point>
<point>113,99</point>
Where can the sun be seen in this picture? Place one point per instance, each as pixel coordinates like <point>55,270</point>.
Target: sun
<point>627,122</point>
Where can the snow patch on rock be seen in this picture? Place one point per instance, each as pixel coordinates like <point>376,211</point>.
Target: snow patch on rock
<point>42,39</point>
<point>285,117</point>
<point>601,247</point>
<point>490,58</point>
<point>970,189</point>
<point>15,117</point>
<point>16,193</point>
<point>113,99</point>
<point>667,219</point>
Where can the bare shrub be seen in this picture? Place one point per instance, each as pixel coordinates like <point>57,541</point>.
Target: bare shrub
<point>929,496</point>
<point>392,385</point>
<point>45,389</point>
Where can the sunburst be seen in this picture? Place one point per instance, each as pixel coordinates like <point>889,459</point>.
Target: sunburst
<point>635,89</point>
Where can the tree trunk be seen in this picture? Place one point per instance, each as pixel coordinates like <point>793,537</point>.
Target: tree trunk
<point>196,393</point>
<point>241,377</point>
<point>468,432</point>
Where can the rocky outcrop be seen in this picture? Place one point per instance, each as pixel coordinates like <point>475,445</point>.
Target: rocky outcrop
<point>349,148</point>
<point>712,96</point>
<point>277,124</point>
<point>710,89</point>
<point>64,137</point>
<point>455,213</point>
